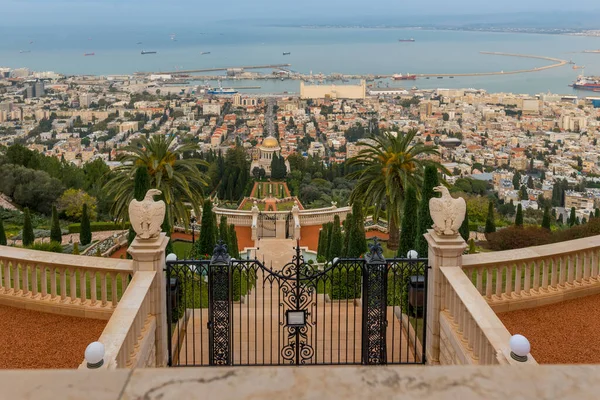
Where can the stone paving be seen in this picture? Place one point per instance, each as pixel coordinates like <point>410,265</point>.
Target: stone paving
<point>258,334</point>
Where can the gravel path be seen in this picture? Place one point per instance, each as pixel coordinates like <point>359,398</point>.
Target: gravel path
<point>563,333</point>
<point>32,339</point>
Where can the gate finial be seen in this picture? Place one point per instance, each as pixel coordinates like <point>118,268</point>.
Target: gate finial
<point>375,252</point>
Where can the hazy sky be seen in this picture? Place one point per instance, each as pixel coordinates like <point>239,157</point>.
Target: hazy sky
<point>154,11</point>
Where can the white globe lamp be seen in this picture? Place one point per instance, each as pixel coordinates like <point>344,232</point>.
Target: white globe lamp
<point>172,257</point>
<point>94,355</point>
<point>335,260</point>
<point>412,254</point>
<point>519,348</point>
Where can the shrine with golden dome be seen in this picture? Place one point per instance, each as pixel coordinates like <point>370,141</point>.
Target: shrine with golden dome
<point>264,156</point>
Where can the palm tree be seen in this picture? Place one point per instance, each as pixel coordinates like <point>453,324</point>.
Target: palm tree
<point>180,180</point>
<point>384,169</point>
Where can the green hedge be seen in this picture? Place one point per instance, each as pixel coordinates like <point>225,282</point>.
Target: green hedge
<point>100,226</point>
<point>344,284</point>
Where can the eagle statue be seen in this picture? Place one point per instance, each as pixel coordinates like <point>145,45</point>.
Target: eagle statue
<point>147,216</point>
<point>447,212</point>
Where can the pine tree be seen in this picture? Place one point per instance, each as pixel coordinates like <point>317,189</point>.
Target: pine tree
<point>464,230</point>
<point>430,181</point>
<point>55,232</point>
<point>519,217</point>
<point>336,240</point>
<point>85,235</point>
<point>233,243</point>
<point>572,217</point>
<point>408,232</point>
<point>224,230</point>
<point>28,236</point>
<point>546,219</point>
<point>206,242</point>
<point>357,242</point>
<point>141,184</point>
<point>3,241</point>
<point>490,223</point>
<point>347,232</point>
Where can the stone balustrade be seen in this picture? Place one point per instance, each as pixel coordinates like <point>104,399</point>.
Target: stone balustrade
<point>471,333</point>
<point>129,336</point>
<point>62,283</point>
<point>323,215</point>
<point>236,217</point>
<point>535,276</point>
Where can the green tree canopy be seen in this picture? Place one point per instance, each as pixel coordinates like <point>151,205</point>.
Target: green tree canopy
<point>205,244</point>
<point>71,203</point>
<point>387,165</point>
<point>336,240</point>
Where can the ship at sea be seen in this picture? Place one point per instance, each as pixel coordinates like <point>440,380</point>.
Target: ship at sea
<point>587,83</point>
<point>89,54</point>
<point>287,53</point>
<point>407,77</point>
<point>221,91</point>
<point>24,51</point>
<point>406,40</point>
<point>204,53</point>
<point>148,52</point>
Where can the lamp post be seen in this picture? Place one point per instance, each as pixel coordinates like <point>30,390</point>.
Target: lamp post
<point>519,348</point>
<point>192,224</point>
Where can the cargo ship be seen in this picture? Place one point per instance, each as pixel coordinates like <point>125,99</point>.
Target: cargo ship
<point>287,53</point>
<point>587,83</point>
<point>89,54</point>
<point>221,91</point>
<point>148,52</point>
<point>407,77</point>
<point>406,40</point>
<point>204,53</point>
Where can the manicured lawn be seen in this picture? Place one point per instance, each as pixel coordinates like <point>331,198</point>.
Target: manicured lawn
<point>182,249</point>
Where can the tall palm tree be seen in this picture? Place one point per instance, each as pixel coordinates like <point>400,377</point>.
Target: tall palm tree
<point>385,168</point>
<point>180,180</point>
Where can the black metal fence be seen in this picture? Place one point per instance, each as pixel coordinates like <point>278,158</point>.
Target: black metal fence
<point>368,310</point>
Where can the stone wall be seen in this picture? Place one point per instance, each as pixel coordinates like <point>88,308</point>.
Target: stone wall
<point>451,350</point>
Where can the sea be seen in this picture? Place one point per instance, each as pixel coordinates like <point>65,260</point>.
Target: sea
<point>117,50</point>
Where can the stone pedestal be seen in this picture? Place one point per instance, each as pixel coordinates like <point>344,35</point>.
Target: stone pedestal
<point>280,228</point>
<point>150,256</point>
<point>444,251</point>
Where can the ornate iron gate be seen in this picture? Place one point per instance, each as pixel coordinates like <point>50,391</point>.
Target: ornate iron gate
<point>349,311</point>
<point>267,225</point>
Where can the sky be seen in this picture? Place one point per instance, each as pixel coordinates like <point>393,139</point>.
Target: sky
<point>136,12</point>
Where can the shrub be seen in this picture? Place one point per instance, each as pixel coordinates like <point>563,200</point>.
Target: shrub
<point>518,237</point>
<point>344,283</point>
<point>53,247</point>
<point>100,226</point>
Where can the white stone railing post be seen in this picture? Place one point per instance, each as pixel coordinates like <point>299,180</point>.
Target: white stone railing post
<point>446,247</point>
<point>296,215</point>
<point>150,256</point>
<point>255,212</point>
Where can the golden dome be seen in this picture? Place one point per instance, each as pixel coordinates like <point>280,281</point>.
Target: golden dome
<point>270,142</point>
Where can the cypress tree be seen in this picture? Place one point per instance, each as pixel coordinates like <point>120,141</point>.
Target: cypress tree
<point>224,231</point>
<point>425,222</point>
<point>327,230</point>
<point>408,233</point>
<point>335,241</point>
<point>464,228</point>
<point>141,184</point>
<point>76,248</point>
<point>85,235</point>
<point>472,248</point>
<point>490,223</point>
<point>347,232</point>
<point>320,245</point>
<point>166,227</point>
<point>516,180</point>
<point>572,217</point>
<point>233,250</point>
<point>55,232</point>
<point>519,217</point>
<point>597,213</point>
<point>357,242</point>
<point>3,241</point>
<point>206,242</point>
<point>560,219</point>
<point>546,219</point>
<point>28,236</point>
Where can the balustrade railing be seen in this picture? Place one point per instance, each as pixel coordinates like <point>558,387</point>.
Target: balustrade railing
<point>62,278</point>
<point>480,332</point>
<point>548,269</point>
<point>130,323</point>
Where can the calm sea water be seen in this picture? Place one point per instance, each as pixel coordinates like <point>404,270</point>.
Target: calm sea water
<point>358,51</point>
